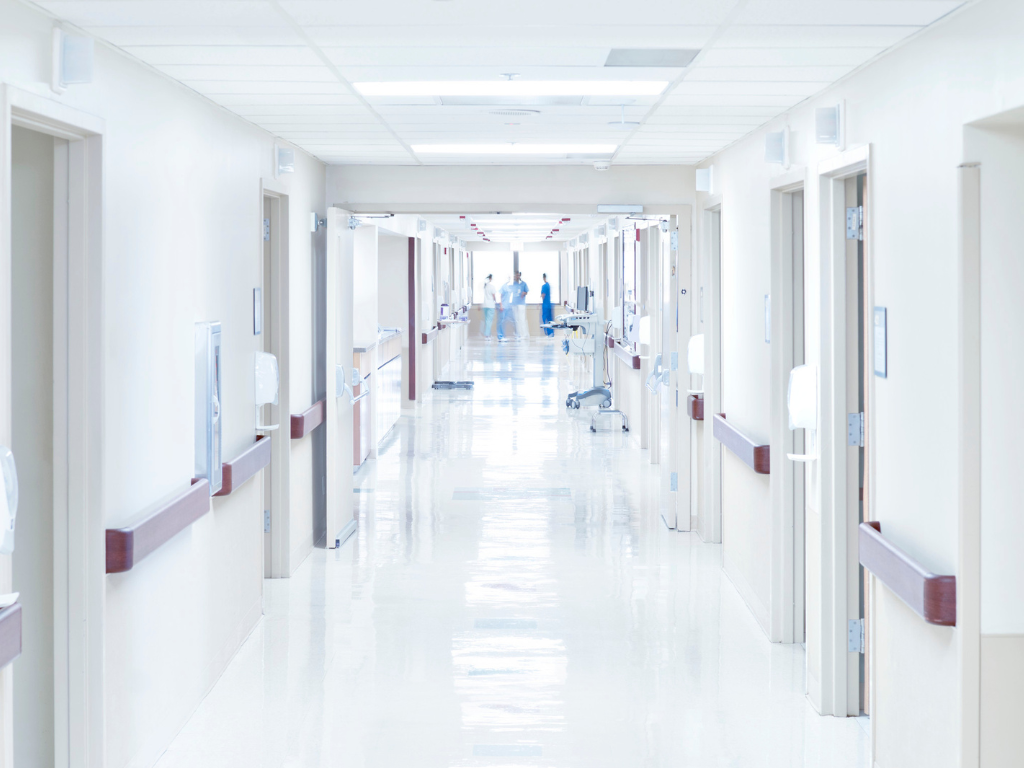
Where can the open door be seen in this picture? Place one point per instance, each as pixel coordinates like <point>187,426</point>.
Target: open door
<point>338,299</point>
<point>674,432</point>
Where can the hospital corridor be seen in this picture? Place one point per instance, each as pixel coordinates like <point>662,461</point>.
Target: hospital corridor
<point>448,384</point>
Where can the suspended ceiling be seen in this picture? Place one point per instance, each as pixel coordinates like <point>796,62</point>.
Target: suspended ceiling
<point>291,66</point>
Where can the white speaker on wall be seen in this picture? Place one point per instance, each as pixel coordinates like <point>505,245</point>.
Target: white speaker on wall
<point>72,60</point>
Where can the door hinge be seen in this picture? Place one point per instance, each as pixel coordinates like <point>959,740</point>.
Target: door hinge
<point>855,223</point>
<point>266,521</point>
<point>266,229</point>
<point>855,429</point>
<point>674,239</point>
<point>673,481</point>
<point>855,636</point>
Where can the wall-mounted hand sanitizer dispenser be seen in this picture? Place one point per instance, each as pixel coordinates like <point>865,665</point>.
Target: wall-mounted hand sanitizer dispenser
<point>695,360</point>
<point>208,391</point>
<point>803,407</point>
<point>8,500</point>
<point>267,384</point>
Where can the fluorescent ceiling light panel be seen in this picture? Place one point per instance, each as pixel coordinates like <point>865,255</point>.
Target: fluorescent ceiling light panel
<point>515,88</point>
<point>650,57</point>
<point>514,149</point>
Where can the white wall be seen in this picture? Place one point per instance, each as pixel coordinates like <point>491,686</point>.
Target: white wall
<point>457,189</point>
<point>364,284</point>
<point>393,295</point>
<point>911,107</point>
<point>182,244</point>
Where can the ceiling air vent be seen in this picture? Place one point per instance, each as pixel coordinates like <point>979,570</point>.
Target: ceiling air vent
<point>515,112</point>
<point>650,57</point>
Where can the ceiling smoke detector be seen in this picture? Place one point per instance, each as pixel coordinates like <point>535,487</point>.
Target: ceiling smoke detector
<point>515,112</point>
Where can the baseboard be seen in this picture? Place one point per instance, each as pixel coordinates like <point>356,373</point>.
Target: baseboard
<point>214,671</point>
<point>757,608</point>
<point>300,553</point>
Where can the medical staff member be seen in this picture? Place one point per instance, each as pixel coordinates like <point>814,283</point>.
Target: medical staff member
<point>546,315</point>
<point>519,291</point>
<point>490,300</point>
<point>505,307</point>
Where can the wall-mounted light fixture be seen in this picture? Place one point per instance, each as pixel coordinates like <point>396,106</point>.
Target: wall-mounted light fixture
<point>776,147</point>
<point>72,60</point>
<point>706,179</point>
<point>829,125</point>
<point>284,160</point>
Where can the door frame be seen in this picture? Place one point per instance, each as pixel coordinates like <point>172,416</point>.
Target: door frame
<point>968,587</point>
<point>711,237</point>
<point>79,539</point>
<point>786,605</point>
<point>836,689</point>
<point>280,446</point>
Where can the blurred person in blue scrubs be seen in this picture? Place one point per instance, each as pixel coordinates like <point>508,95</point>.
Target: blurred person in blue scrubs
<point>519,291</point>
<point>490,301</point>
<point>546,314</point>
<point>505,314</point>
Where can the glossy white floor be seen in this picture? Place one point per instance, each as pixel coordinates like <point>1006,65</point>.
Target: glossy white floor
<point>511,600</point>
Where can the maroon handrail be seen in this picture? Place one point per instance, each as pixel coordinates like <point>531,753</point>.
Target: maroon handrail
<point>633,361</point>
<point>245,465</point>
<point>755,456</point>
<point>311,418</point>
<point>430,335</point>
<point>128,545</point>
<point>932,597</point>
<point>695,407</point>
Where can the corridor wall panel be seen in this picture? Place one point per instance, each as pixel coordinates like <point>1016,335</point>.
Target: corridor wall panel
<point>181,244</point>
<point>910,107</point>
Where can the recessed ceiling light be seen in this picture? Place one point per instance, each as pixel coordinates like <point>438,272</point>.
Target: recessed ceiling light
<point>514,149</point>
<point>515,88</point>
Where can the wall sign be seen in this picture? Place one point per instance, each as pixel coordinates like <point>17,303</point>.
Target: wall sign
<point>881,354</point>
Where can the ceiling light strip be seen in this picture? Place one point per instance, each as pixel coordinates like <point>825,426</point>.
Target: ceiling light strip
<point>514,88</point>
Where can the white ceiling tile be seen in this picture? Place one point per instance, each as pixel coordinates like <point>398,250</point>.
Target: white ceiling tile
<point>793,36</point>
<point>217,73</point>
<point>287,88</point>
<point>849,12</point>
<point>747,88</point>
<point>226,55</point>
<point>651,35</point>
<point>788,57</point>
<point>446,16</point>
<point>194,36</point>
<point>153,13</point>
<point>281,100</point>
<point>467,55</point>
<point>780,103</point>
<point>775,74</point>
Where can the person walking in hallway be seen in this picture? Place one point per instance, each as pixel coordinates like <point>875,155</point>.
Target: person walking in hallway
<point>505,309</point>
<point>519,291</point>
<point>546,315</point>
<point>490,301</point>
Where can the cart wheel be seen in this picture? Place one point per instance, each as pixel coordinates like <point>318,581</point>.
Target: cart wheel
<point>593,430</point>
